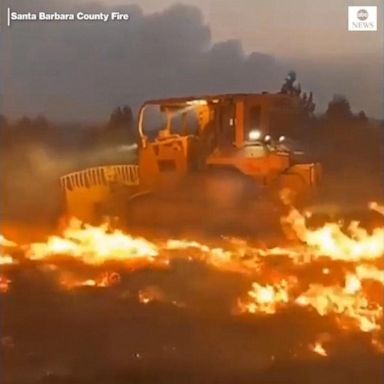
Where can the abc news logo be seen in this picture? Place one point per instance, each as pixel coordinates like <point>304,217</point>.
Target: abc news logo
<point>362,18</point>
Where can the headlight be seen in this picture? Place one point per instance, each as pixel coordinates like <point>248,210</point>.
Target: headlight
<point>255,134</point>
<point>267,138</point>
<point>281,139</point>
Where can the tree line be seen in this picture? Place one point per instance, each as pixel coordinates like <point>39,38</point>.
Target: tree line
<point>339,138</point>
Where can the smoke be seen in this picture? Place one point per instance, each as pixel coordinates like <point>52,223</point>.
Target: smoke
<point>76,70</point>
<point>82,70</point>
<point>31,172</point>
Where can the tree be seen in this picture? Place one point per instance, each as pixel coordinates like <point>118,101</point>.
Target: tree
<point>338,108</point>
<point>121,118</point>
<point>120,127</point>
<point>3,121</point>
<point>115,118</point>
<point>127,116</point>
<point>362,116</point>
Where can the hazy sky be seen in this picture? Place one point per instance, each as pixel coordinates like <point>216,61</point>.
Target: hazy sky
<point>310,28</point>
<point>81,71</point>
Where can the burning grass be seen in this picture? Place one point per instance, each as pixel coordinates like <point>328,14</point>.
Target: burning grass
<point>316,293</point>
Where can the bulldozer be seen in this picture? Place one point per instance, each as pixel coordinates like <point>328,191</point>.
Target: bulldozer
<point>202,159</point>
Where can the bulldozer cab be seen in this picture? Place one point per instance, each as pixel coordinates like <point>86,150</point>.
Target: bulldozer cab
<point>234,117</point>
<point>240,131</point>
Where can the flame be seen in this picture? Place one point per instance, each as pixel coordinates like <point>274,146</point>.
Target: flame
<point>150,294</point>
<point>348,303</point>
<point>6,259</point>
<point>104,280</point>
<point>215,256</point>
<point>4,284</point>
<point>330,240</point>
<point>94,245</point>
<point>265,299</point>
<point>370,272</point>
<point>374,206</point>
<point>340,293</point>
<point>4,244</point>
<point>319,349</point>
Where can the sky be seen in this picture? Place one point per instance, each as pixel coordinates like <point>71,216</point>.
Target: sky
<point>82,71</point>
<point>316,28</point>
